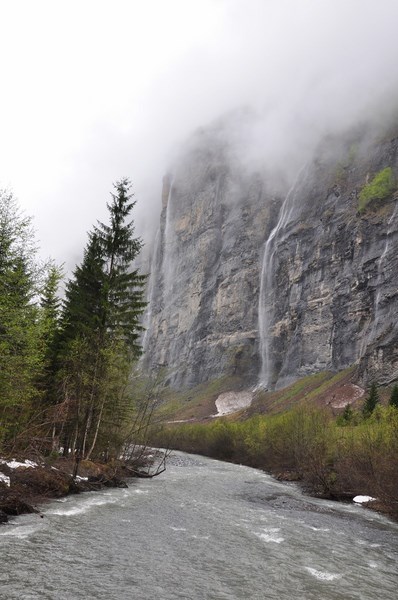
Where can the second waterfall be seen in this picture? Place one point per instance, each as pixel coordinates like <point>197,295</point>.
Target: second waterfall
<point>266,306</point>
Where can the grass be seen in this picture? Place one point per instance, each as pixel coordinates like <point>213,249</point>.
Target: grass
<point>195,403</point>
<point>380,188</point>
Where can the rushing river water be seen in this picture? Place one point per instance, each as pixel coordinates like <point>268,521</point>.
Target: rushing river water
<point>203,530</point>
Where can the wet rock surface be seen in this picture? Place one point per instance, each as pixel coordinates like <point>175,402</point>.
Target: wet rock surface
<point>203,298</point>
<point>334,288</point>
<point>331,295</point>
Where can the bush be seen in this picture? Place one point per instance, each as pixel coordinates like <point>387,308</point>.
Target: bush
<point>394,396</point>
<point>381,186</point>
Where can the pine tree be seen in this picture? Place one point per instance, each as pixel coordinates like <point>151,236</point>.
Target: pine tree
<point>348,414</point>
<point>101,328</point>
<point>20,355</point>
<point>394,396</point>
<point>371,401</point>
<point>123,302</point>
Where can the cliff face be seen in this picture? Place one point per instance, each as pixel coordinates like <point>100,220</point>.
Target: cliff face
<point>331,296</point>
<point>274,288</point>
<point>203,296</point>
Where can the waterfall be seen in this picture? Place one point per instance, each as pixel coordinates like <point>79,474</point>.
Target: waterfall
<point>158,270</point>
<point>265,309</point>
<point>153,279</point>
<point>167,266</point>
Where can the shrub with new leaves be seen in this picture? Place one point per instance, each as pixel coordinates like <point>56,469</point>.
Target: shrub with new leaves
<point>381,186</point>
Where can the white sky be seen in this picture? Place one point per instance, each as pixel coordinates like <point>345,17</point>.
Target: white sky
<point>94,90</point>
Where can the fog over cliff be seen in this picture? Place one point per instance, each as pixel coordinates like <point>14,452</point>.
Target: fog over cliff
<point>96,91</point>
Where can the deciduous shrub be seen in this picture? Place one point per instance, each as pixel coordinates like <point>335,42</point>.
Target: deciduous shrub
<point>381,186</point>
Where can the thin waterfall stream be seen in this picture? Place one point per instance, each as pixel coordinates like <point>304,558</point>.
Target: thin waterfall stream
<point>265,308</point>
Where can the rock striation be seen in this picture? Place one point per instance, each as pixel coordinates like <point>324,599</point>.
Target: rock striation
<point>270,286</point>
<point>332,293</point>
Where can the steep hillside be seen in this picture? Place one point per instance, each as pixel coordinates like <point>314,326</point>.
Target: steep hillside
<point>203,293</point>
<point>273,286</point>
<point>329,294</point>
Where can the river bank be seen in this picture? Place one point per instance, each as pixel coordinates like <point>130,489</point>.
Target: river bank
<point>26,483</point>
<point>326,459</point>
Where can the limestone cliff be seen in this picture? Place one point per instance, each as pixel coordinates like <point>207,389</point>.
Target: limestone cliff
<point>271,287</point>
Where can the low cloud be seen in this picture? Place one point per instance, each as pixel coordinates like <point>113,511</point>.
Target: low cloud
<point>97,91</point>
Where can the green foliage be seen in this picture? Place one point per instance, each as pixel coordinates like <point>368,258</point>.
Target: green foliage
<point>347,417</point>
<point>381,187</point>
<point>371,401</point>
<point>100,330</point>
<point>394,396</point>
<point>64,372</point>
<point>21,355</point>
<point>305,443</point>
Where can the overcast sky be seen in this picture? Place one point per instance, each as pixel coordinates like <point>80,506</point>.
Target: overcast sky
<point>94,90</point>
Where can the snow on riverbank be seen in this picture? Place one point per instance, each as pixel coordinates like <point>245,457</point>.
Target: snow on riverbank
<point>5,479</point>
<point>14,464</point>
<point>363,499</point>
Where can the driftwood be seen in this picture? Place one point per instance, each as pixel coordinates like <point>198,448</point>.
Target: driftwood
<point>145,474</point>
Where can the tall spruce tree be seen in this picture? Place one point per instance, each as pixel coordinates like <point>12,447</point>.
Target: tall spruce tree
<point>20,355</point>
<point>394,396</point>
<point>101,328</point>
<point>371,401</point>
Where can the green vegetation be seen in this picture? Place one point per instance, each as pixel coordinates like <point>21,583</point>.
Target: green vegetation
<point>22,352</point>
<point>381,187</point>
<point>333,457</point>
<point>99,330</point>
<point>394,396</point>
<point>65,367</point>
<point>347,417</point>
<point>371,401</point>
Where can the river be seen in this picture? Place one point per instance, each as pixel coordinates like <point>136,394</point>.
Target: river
<point>204,530</point>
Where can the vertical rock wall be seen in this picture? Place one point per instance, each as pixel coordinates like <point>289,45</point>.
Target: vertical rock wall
<point>204,288</point>
<point>333,291</point>
<point>329,288</point>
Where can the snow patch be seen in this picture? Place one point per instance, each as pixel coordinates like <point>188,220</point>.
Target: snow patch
<point>362,499</point>
<point>230,402</point>
<point>14,464</point>
<point>4,479</point>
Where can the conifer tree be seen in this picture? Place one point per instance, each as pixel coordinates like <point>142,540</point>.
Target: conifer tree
<point>101,328</point>
<point>348,414</point>
<point>20,355</point>
<point>394,396</point>
<point>371,401</point>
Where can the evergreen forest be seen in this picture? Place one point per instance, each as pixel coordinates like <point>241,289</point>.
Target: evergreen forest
<point>66,362</point>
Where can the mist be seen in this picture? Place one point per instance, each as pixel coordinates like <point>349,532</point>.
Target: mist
<point>96,91</point>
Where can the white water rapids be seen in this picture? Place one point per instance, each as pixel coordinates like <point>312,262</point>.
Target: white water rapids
<point>204,530</point>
